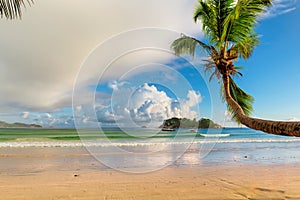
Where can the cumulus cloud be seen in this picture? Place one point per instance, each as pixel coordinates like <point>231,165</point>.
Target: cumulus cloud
<point>149,105</point>
<point>56,119</point>
<point>193,98</point>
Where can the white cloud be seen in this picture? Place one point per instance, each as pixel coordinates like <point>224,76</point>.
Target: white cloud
<point>280,7</point>
<point>85,119</point>
<point>193,98</point>
<point>24,115</point>
<point>47,116</point>
<point>58,121</point>
<point>78,108</point>
<point>148,105</point>
<point>115,84</point>
<point>40,55</point>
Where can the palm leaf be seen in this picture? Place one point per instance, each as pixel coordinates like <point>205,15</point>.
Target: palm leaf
<point>240,23</point>
<point>206,14</point>
<point>212,14</point>
<point>241,97</point>
<point>12,9</point>
<point>187,45</point>
<point>246,46</point>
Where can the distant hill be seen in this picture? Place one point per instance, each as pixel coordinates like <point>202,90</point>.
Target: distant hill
<point>18,125</point>
<point>175,122</point>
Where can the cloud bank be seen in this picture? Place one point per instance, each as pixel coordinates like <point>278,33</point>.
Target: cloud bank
<point>40,56</point>
<point>147,106</point>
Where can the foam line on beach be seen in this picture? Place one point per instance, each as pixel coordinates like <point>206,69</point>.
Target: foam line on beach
<point>23,144</point>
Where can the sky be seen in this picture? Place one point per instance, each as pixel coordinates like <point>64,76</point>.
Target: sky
<point>109,62</point>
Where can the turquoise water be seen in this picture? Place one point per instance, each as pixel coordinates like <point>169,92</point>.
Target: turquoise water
<point>130,136</point>
<point>145,150</point>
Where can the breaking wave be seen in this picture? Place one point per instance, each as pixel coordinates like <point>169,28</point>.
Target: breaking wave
<point>106,143</point>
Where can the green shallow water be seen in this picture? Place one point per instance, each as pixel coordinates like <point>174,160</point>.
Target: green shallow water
<point>7,134</point>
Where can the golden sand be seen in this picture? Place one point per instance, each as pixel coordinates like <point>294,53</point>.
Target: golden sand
<point>202,182</point>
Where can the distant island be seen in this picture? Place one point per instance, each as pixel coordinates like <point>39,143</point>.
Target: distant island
<point>18,125</point>
<point>174,123</point>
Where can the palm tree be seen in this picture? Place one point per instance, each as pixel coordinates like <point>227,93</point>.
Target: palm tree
<point>11,9</point>
<point>228,26</point>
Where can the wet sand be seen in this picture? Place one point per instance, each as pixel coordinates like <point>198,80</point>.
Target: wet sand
<point>77,175</point>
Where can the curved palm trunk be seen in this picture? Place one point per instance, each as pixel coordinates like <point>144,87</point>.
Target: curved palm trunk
<point>272,127</point>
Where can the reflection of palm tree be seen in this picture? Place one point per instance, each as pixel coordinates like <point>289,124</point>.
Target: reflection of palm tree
<point>12,9</point>
<point>229,29</point>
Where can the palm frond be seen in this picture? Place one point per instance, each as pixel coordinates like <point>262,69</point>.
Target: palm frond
<point>246,46</point>
<point>12,9</point>
<point>241,97</point>
<point>235,72</point>
<point>187,45</point>
<point>240,23</point>
<point>231,21</point>
<point>210,67</point>
<point>212,14</point>
<point>206,14</point>
<point>216,73</point>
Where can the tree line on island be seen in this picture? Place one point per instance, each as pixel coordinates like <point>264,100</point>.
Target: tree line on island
<point>175,123</point>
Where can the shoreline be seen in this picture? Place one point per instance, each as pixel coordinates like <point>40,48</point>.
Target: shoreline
<point>73,173</point>
<point>183,182</point>
<point>245,165</point>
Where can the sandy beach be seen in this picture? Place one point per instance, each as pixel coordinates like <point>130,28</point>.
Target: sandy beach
<point>47,174</point>
<point>211,182</point>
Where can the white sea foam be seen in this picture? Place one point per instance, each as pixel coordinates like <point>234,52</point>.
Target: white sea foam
<point>100,143</point>
<point>214,135</point>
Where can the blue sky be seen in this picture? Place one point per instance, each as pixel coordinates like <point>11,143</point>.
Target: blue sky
<point>39,68</point>
<point>272,75</point>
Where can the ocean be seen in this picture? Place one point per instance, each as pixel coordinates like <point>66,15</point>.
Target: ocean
<point>146,150</point>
